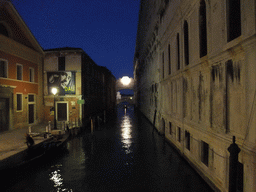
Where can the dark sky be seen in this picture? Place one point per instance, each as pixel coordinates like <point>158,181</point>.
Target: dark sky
<point>104,29</point>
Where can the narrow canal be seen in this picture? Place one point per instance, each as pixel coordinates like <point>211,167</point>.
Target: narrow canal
<point>124,155</point>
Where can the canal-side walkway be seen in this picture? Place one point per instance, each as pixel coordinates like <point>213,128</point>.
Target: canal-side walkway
<point>13,142</point>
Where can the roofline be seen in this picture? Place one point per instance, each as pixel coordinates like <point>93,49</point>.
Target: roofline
<point>66,49</point>
<point>24,25</point>
<point>73,49</point>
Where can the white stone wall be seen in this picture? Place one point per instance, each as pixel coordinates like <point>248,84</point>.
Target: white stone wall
<point>212,98</point>
<point>72,63</point>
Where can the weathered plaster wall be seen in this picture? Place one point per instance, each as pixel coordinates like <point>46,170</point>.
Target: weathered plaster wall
<point>209,100</point>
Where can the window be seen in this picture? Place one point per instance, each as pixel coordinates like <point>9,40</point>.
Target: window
<point>31,98</point>
<point>3,30</point>
<point>233,19</point>
<point>19,72</point>
<point>162,16</point>
<point>31,75</point>
<point>163,63</point>
<point>155,102</point>
<point>205,153</point>
<point>170,128</point>
<point>202,29</point>
<point>61,63</point>
<point>186,45</point>
<point>169,58</point>
<point>19,102</point>
<point>3,68</point>
<point>178,51</point>
<point>187,140</point>
<point>179,134</point>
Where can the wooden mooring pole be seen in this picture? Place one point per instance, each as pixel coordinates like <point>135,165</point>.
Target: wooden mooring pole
<point>233,163</point>
<point>91,126</point>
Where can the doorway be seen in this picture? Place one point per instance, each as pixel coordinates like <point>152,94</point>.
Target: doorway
<point>4,114</point>
<point>62,111</point>
<point>31,112</point>
<point>31,108</point>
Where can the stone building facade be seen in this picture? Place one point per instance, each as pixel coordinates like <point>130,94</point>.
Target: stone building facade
<point>109,93</point>
<point>21,78</point>
<point>99,93</point>
<point>194,70</point>
<point>62,70</point>
<point>84,88</point>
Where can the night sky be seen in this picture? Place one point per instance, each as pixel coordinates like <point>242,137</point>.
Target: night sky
<point>104,29</point>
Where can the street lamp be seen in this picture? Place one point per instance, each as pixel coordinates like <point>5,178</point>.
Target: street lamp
<point>54,92</point>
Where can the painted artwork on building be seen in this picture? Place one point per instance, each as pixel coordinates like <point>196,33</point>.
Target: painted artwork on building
<point>64,81</point>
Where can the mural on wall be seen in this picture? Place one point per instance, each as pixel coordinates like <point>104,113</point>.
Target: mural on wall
<point>64,81</point>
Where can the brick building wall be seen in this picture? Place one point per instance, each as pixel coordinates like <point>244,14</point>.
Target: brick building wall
<point>21,62</point>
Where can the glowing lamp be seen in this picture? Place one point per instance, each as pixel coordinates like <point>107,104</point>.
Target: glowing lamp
<point>125,80</point>
<point>54,91</point>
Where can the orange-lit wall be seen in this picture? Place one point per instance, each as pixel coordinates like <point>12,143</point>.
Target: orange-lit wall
<point>23,86</point>
<point>20,118</point>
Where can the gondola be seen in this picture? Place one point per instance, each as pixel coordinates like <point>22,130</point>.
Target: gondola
<point>50,146</point>
<point>47,148</point>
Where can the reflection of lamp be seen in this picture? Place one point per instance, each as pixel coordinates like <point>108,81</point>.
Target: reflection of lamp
<point>126,134</point>
<point>54,92</point>
<point>125,80</point>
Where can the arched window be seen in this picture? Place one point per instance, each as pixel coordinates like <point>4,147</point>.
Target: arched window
<point>3,30</point>
<point>202,29</point>
<point>186,43</point>
<point>233,19</point>
<point>178,51</point>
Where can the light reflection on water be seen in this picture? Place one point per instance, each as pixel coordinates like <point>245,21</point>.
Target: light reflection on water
<point>55,176</point>
<point>98,164</point>
<point>57,179</point>
<point>126,134</point>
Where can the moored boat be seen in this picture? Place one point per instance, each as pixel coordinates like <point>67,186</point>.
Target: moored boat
<point>48,147</point>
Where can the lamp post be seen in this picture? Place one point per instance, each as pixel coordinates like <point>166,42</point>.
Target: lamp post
<point>54,92</point>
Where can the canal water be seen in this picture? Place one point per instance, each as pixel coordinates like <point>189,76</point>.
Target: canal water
<point>127,154</point>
